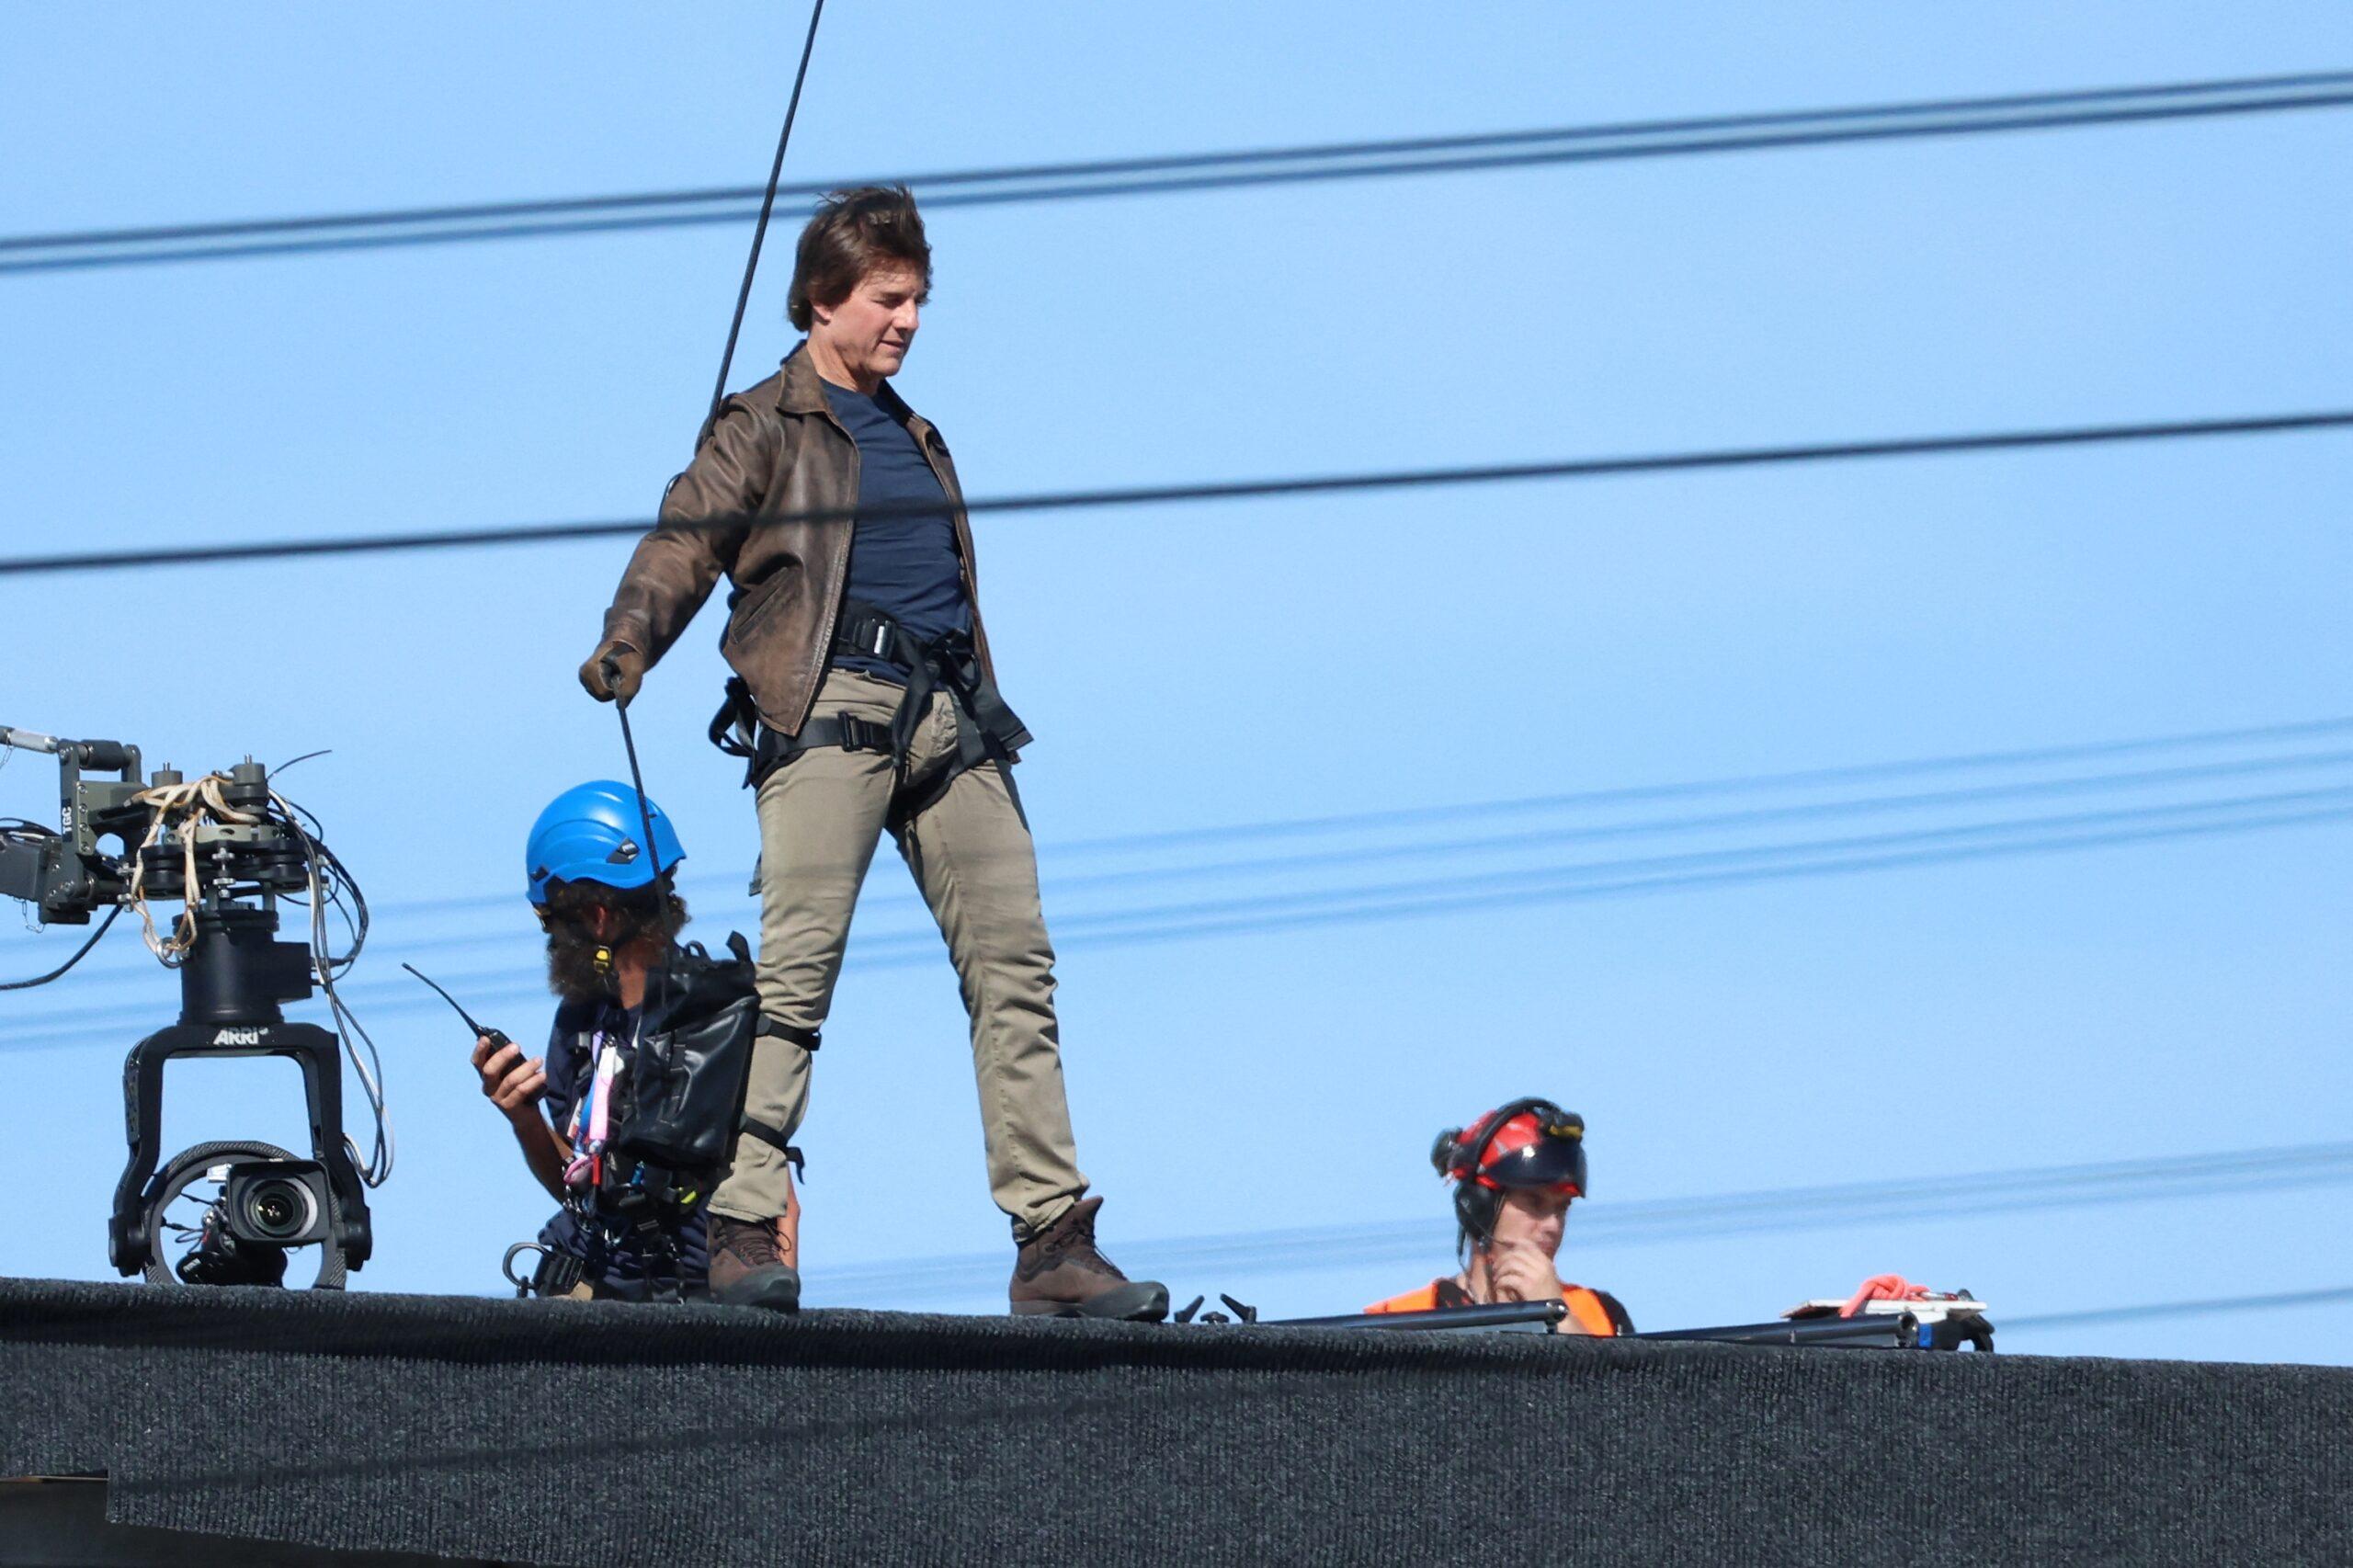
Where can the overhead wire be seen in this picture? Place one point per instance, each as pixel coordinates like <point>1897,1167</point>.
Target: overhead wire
<point>2166,1311</point>
<point>1540,839</point>
<point>1714,868</point>
<point>1173,174</point>
<point>1428,898</point>
<point>1131,879</point>
<point>1803,777</point>
<point>1650,1221</point>
<point>1453,813</point>
<point>1584,882</point>
<point>1229,490</point>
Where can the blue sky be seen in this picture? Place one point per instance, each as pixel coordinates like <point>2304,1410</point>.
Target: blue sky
<point>1192,667</point>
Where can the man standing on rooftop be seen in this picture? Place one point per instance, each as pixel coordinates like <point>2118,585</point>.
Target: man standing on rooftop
<point>864,700</point>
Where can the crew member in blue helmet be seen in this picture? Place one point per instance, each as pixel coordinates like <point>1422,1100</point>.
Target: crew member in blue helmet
<point>608,921</point>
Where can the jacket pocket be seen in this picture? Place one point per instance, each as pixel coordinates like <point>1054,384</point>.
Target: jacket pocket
<point>758,605</point>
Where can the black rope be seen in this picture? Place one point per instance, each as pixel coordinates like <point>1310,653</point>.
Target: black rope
<point>759,234</point>
<point>1233,490</point>
<point>1175,173</point>
<point>79,954</point>
<point>645,817</point>
<point>718,398</point>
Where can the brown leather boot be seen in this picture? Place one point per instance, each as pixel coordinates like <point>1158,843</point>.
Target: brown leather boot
<point>1058,1273</point>
<point>747,1269</point>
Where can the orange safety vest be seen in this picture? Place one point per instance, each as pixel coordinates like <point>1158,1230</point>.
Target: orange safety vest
<point>1594,1312</point>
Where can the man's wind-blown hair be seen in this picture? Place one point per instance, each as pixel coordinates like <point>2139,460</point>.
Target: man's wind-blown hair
<point>854,232</point>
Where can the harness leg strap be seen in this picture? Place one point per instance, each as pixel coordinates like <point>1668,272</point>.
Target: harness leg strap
<point>774,1136</point>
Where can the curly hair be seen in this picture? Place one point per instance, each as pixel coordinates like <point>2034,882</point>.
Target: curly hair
<point>656,912</point>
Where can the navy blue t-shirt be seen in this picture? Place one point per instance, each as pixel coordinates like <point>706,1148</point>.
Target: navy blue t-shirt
<point>571,1063</point>
<point>907,566</point>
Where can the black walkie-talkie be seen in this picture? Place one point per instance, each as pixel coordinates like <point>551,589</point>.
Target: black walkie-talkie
<point>497,1038</point>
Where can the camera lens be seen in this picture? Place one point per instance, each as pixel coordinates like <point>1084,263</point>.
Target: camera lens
<point>278,1209</point>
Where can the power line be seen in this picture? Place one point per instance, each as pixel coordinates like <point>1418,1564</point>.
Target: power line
<point>1754,861</point>
<point>1233,490</point>
<point>1643,827</point>
<point>2212,1305</point>
<point>1133,880</point>
<point>1637,1223</point>
<point>1714,867</point>
<point>1744,784</point>
<point>1846,773</point>
<point>1434,898</point>
<point>1184,173</point>
<point>1757,862</point>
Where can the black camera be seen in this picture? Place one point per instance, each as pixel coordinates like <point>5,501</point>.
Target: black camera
<point>204,862</point>
<point>279,1203</point>
<point>266,1207</point>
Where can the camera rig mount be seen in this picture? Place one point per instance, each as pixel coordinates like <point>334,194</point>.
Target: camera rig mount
<point>227,848</point>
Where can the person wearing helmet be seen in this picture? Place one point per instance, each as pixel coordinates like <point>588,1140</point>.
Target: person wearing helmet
<point>865,702</point>
<point>609,920</point>
<point>1515,1170</point>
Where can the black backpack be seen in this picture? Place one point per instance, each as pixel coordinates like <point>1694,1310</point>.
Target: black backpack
<point>694,1049</point>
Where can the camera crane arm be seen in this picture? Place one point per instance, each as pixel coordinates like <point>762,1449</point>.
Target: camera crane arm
<point>109,756</point>
<point>64,873</point>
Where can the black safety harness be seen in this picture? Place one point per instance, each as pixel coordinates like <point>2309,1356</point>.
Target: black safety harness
<point>634,1212</point>
<point>986,729</point>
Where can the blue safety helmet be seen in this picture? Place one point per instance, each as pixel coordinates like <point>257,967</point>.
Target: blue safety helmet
<point>594,833</point>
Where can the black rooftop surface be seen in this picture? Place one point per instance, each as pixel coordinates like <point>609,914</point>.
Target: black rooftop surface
<point>592,1433</point>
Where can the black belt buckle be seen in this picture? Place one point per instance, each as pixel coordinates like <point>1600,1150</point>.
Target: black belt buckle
<point>873,636</point>
<point>863,734</point>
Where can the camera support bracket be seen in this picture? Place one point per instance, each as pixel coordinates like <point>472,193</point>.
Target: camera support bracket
<point>316,1051</point>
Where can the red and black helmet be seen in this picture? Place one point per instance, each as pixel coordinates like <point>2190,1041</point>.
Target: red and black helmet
<point>1530,1143</point>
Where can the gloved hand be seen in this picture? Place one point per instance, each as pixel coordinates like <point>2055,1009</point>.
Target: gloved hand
<point>619,682</point>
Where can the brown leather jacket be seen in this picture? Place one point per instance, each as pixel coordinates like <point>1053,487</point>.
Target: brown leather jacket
<point>776,452</point>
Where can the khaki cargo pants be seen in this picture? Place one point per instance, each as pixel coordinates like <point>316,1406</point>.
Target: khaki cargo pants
<point>820,816</point>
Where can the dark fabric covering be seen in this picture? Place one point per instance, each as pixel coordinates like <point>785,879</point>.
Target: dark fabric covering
<point>62,1523</point>
<point>590,1433</point>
